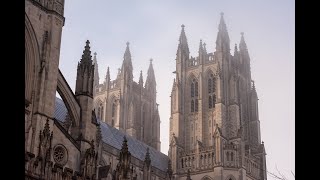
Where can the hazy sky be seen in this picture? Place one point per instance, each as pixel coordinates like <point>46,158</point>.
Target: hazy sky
<point>153,29</point>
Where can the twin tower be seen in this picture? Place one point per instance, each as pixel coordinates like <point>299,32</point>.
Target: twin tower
<point>214,122</point>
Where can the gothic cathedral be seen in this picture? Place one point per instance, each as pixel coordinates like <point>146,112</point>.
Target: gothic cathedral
<point>129,106</point>
<point>214,123</point>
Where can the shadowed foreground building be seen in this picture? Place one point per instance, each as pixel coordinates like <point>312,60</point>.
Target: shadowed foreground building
<point>214,123</point>
<point>63,137</point>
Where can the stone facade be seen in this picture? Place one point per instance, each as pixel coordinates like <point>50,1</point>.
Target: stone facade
<point>214,123</point>
<point>63,137</point>
<point>127,105</point>
<point>112,130</point>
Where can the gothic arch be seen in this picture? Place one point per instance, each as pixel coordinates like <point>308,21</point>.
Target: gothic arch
<point>206,178</point>
<point>97,102</point>
<point>32,59</point>
<point>192,76</point>
<point>209,71</point>
<point>230,177</point>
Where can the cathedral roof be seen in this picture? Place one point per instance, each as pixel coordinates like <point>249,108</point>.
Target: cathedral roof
<point>114,138</point>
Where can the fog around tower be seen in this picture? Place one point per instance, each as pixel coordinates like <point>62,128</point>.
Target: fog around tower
<point>153,30</point>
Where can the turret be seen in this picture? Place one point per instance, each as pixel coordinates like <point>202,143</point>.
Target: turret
<point>84,95</point>
<point>85,74</point>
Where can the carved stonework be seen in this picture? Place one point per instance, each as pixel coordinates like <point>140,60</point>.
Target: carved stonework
<point>89,162</point>
<point>123,167</point>
<point>169,171</point>
<point>44,150</point>
<point>98,135</point>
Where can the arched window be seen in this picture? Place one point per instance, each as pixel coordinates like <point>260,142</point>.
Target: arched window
<point>211,91</point>
<point>227,156</point>
<point>194,96</point>
<point>192,105</point>
<point>231,156</point>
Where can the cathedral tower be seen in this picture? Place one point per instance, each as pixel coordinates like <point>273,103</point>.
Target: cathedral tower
<point>128,105</point>
<point>214,123</point>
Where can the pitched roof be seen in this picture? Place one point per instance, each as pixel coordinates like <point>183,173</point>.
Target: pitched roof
<point>114,138</point>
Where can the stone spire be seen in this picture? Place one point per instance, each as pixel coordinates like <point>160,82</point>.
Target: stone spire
<point>96,73</point>
<point>183,44</point>
<point>85,73</point>
<point>235,51</point>
<point>151,80</point>
<point>107,80</point>
<point>108,74</point>
<point>200,46</point>
<point>204,48</point>
<point>244,57</point>
<point>127,57</point>
<point>124,159</point>
<point>242,45</point>
<point>126,69</point>
<point>223,41</point>
<point>201,53</point>
<point>254,90</point>
<point>86,56</point>
<point>141,78</point>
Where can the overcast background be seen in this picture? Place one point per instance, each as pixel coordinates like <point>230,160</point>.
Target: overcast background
<point>153,29</point>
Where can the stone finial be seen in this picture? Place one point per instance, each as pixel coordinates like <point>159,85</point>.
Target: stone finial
<point>147,159</point>
<point>221,13</point>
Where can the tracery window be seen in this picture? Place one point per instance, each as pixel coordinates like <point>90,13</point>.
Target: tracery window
<point>211,91</point>
<point>194,96</point>
<point>60,154</point>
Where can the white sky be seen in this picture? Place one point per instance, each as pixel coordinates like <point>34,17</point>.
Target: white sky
<point>153,29</point>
